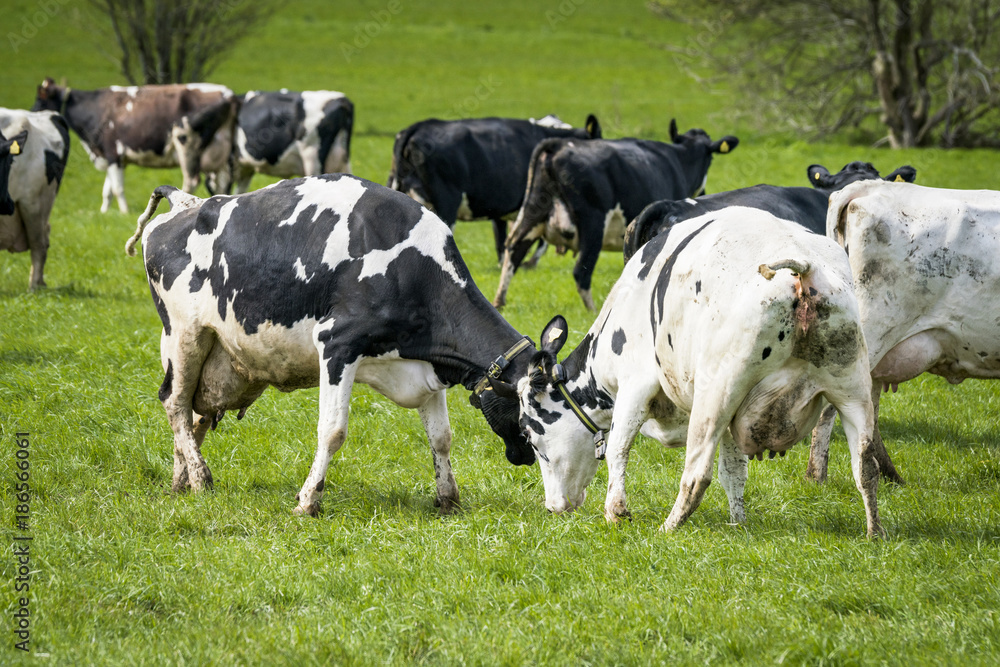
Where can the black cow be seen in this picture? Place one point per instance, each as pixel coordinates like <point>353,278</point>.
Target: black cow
<point>325,281</point>
<point>580,195</point>
<point>806,206</point>
<point>139,125</point>
<point>287,134</point>
<point>474,168</point>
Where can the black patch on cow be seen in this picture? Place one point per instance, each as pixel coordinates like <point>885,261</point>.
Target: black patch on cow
<point>663,280</point>
<point>618,341</point>
<point>271,123</point>
<point>781,336</point>
<point>54,166</point>
<point>697,287</point>
<point>338,116</point>
<point>670,342</point>
<point>812,291</point>
<point>161,309</point>
<point>767,353</point>
<point>168,382</point>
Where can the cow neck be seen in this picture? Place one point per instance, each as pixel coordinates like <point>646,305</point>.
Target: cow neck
<point>582,383</point>
<point>699,157</point>
<point>83,113</point>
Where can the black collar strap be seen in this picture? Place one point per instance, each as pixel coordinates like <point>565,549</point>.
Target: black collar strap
<point>559,381</point>
<point>497,368</point>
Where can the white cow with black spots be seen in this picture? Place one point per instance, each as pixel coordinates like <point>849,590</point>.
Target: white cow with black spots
<point>324,281</point>
<point>925,271</point>
<point>727,332</point>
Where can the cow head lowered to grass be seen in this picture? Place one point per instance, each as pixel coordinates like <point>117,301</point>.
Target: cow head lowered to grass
<point>729,332</point>
<point>325,281</point>
<point>581,194</point>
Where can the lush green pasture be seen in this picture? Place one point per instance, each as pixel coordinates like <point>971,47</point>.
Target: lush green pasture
<point>124,572</point>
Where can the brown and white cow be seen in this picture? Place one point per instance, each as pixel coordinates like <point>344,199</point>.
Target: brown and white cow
<point>927,284</point>
<point>37,148</point>
<point>136,125</point>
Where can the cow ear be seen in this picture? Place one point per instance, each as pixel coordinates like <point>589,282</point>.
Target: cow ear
<point>726,144</point>
<point>17,143</point>
<point>905,174</point>
<point>593,127</point>
<point>673,130</point>
<point>554,335</point>
<point>819,176</point>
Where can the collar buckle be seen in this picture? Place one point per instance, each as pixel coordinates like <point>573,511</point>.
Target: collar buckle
<point>600,445</point>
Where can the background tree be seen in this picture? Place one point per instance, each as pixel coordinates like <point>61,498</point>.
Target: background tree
<point>177,41</point>
<point>926,69</point>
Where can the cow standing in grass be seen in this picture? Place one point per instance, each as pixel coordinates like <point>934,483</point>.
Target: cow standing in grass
<point>30,174</point>
<point>476,167</point>
<point>927,283</point>
<point>137,125</point>
<point>728,331</point>
<point>321,281</point>
<point>580,195</point>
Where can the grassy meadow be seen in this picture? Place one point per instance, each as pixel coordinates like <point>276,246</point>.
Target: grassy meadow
<point>124,572</point>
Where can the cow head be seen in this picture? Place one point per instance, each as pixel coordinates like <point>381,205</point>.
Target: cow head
<point>564,447</point>
<point>9,148</point>
<point>49,96</point>
<point>701,148</point>
<point>824,181</point>
<point>193,135</point>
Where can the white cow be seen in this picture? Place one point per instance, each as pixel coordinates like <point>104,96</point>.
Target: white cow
<point>732,328</point>
<point>927,283</point>
<point>33,183</point>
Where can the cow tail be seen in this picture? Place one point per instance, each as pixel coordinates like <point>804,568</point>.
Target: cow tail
<point>836,213</point>
<point>174,196</point>
<point>800,267</point>
<point>545,146</point>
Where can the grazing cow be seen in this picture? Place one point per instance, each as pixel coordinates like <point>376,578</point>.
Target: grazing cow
<point>325,281</point>
<point>580,195</point>
<point>474,168</point>
<point>806,206</point>
<point>733,328</point>
<point>28,187</point>
<point>926,279</point>
<point>287,134</point>
<point>137,125</point>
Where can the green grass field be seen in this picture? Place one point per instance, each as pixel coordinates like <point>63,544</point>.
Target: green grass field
<point>124,572</point>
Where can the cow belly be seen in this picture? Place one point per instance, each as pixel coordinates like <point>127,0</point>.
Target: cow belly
<point>560,230</point>
<point>149,158</point>
<point>778,412</point>
<point>939,353</point>
<point>12,233</point>
<point>406,382</point>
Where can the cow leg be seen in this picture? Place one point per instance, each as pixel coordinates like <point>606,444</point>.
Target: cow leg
<point>310,159</point>
<point>513,255</point>
<point>34,216</point>
<point>244,175</point>
<point>705,428</point>
<point>819,449</point>
<point>583,271</point>
<point>499,237</point>
<point>200,428</point>
<point>885,466</point>
<point>185,352</point>
<point>858,420</point>
<point>733,477</point>
<point>540,249</point>
<point>116,175</point>
<point>630,413</point>
<point>106,193</point>
<point>434,415</point>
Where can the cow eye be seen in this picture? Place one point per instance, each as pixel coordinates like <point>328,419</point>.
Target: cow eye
<point>183,139</point>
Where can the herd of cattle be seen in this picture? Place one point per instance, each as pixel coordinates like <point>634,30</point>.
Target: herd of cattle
<point>741,320</point>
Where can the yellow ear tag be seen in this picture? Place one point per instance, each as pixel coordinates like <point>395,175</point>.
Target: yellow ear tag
<point>724,147</point>
<point>816,176</point>
<point>554,334</point>
<point>15,149</point>
<point>900,179</point>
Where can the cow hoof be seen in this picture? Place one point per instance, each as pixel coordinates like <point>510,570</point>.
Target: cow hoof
<point>312,509</point>
<point>617,516</point>
<point>447,505</point>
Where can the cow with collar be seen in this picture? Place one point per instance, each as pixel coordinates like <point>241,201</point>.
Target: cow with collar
<point>137,125</point>
<point>32,162</point>
<point>325,281</point>
<point>476,167</point>
<point>926,279</point>
<point>727,332</point>
<point>580,195</point>
<point>806,206</point>
<point>286,134</point>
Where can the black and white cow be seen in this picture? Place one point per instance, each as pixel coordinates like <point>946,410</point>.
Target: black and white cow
<point>474,168</point>
<point>39,143</point>
<point>325,281</point>
<point>926,279</point>
<point>580,195</point>
<point>728,331</point>
<point>137,125</point>
<point>806,206</point>
<point>287,134</point>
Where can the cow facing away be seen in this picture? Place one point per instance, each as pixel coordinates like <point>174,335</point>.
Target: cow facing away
<point>580,195</point>
<point>321,281</point>
<point>285,134</point>
<point>926,279</point>
<point>727,332</point>
<point>474,168</point>
<point>39,146</point>
<point>137,125</point>
<point>806,206</point>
